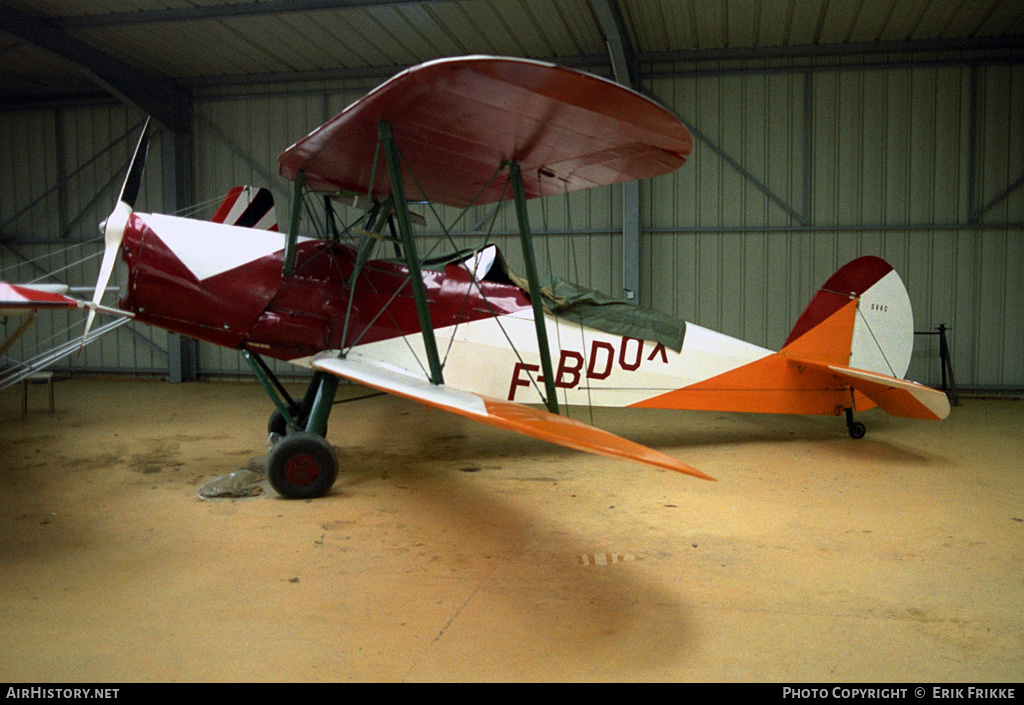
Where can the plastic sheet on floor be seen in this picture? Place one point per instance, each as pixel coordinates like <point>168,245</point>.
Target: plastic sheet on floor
<point>245,482</point>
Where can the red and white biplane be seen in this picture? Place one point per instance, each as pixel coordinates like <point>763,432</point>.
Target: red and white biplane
<point>464,333</point>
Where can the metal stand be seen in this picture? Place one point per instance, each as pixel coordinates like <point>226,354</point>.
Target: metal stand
<point>36,378</point>
<point>946,363</point>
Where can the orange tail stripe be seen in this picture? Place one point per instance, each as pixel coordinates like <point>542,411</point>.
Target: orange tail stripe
<point>770,385</point>
<point>830,341</point>
<point>775,384</point>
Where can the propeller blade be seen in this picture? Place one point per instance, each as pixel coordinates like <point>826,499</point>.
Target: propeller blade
<point>114,225</point>
<point>133,181</point>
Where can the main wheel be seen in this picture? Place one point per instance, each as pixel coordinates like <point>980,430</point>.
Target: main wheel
<point>302,465</point>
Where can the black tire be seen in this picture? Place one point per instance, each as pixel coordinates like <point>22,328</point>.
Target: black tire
<point>302,466</point>
<point>277,423</point>
<point>857,430</point>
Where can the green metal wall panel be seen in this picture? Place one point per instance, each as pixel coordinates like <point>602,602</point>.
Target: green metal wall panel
<point>795,173</point>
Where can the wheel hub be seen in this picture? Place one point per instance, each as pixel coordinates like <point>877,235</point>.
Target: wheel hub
<point>301,469</point>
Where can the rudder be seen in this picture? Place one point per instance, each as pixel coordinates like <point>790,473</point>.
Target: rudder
<point>861,318</point>
<point>249,207</point>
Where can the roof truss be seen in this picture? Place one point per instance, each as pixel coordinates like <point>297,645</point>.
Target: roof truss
<point>162,98</point>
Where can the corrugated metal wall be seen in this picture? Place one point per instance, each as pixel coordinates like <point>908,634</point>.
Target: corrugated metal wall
<point>793,174</point>
<point>60,175</point>
<point>739,239</point>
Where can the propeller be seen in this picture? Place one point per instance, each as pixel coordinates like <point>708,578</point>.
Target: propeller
<point>113,227</point>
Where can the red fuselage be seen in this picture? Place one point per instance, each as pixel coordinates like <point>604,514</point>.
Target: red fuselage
<point>253,306</point>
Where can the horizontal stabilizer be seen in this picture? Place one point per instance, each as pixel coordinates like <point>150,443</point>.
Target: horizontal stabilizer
<point>532,422</point>
<point>897,397</point>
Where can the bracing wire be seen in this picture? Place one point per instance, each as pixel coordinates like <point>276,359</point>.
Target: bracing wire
<point>67,267</point>
<point>867,325</point>
<point>446,236</point>
<point>35,260</point>
<point>576,276</point>
<point>188,211</point>
<point>878,345</point>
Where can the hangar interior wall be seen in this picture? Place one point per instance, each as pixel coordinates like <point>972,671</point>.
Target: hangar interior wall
<point>794,172</point>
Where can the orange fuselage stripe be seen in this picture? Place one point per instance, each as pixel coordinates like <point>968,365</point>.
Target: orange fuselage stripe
<point>776,384</point>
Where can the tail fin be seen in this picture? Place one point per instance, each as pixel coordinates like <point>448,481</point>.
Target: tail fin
<point>860,328</point>
<point>861,318</point>
<point>248,207</point>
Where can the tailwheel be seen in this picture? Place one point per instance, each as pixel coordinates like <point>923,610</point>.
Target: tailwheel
<point>302,466</point>
<point>855,428</point>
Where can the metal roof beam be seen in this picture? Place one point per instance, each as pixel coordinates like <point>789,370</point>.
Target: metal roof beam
<point>225,11</point>
<point>166,101</point>
<point>624,57</point>
<point>832,50</point>
<point>626,69</point>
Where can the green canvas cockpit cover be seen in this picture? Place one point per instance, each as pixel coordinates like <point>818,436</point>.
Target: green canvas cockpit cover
<point>597,310</point>
<point>574,302</point>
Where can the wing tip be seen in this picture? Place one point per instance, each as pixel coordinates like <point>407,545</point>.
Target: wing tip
<point>694,472</point>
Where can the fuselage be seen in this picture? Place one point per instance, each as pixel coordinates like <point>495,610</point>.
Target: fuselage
<point>224,284</point>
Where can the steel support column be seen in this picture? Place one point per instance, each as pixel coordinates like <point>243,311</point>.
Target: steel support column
<point>626,69</point>
<point>176,163</point>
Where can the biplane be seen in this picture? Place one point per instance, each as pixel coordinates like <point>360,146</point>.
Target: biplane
<point>463,332</point>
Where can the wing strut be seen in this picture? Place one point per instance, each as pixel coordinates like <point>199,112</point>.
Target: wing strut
<point>293,225</point>
<point>419,291</point>
<point>530,261</point>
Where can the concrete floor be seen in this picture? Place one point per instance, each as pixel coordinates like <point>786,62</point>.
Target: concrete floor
<point>452,551</point>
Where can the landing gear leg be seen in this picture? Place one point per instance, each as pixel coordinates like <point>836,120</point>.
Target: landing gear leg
<point>301,464</point>
<point>855,428</point>
<point>298,412</point>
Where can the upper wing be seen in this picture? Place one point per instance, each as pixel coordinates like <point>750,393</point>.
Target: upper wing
<point>456,121</point>
<point>502,414</point>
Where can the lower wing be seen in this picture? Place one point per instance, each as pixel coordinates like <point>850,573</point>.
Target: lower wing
<point>502,414</point>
